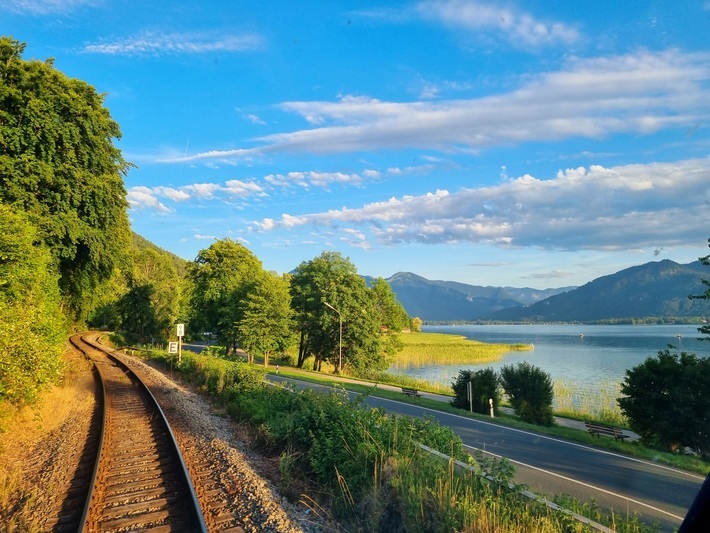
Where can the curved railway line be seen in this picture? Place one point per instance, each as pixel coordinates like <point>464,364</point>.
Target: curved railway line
<point>140,481</point>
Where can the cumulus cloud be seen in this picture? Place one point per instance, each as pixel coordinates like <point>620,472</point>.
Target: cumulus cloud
<point>589,98</point>
<point>142,197</point>
<point>521,29</point>
<point>596,208</point>
<point>157,43</point>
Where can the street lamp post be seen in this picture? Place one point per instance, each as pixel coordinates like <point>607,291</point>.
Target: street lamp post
<point>340,343</point>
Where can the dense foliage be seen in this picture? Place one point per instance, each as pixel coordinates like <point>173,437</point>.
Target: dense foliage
<point>368,317</point>
<point>59,165</point>
<point>705,329</point>
<point>32,329</point>
<point>266,327</point>
<point>221,277</point>
<point>667,401</point>
<point>485,387</point>
<point>367,467</point>
<point>530,391</point>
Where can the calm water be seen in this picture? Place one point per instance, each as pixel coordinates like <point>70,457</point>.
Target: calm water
<point>574,352</point>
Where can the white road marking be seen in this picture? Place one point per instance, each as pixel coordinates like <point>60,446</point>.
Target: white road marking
<point>554,439</point>
<point>680,518</point>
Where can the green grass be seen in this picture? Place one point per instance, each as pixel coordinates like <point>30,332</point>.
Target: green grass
<point>583,400</point>
<point>683,462</point>
<point>422,349</point>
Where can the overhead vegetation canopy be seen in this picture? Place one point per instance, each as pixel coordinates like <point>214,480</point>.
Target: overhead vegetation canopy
<point>58,164</point>
<point>64,230</point>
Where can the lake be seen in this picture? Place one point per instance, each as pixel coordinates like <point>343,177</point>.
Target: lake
<point>580,353</point>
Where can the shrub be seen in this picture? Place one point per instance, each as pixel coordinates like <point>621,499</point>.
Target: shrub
<point>667,401</point>
<point>485,386</point>
<point>530,392</point>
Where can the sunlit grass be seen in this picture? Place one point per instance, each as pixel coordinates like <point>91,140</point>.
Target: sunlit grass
<point>594,400</point>
<point>421,349</point>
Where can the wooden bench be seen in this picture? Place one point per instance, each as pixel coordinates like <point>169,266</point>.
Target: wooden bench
<point>410,392</point>
<point>601,429</point>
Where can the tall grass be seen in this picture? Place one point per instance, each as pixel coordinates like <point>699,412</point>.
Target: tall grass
<point>366,466</point>
<point>422,349</point>
<point>595,400</point>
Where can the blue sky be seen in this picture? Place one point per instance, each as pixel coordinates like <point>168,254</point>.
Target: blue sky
<point>537,143</point>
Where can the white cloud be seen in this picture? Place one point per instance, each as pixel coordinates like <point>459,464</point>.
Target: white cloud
<point>145,198</point>
<point>156,43</point>
<point>142,197</point>
<point>241,188</point>
<point>522,29</point>
<point>174,194</point>
<point>598,208</point>
<point>317,178</point>
<point>590,98</point>
<point>201,237</point>
<point>203,190</point>
<point>255,119</point>
<point>45,7</point>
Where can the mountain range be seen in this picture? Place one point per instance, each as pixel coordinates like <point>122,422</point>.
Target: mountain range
<point>652,290</point>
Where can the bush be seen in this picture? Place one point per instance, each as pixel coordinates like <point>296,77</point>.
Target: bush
<point>667,401</point>
<point>485,386</point>
<point>530,392</point>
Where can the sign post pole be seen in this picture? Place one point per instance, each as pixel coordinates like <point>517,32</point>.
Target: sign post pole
<point>180,335</point>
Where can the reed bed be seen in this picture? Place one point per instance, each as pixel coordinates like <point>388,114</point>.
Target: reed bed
<point>421,349</point>
<point>582,399</point>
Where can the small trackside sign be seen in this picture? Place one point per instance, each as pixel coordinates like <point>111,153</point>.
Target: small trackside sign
<point>173,347</point>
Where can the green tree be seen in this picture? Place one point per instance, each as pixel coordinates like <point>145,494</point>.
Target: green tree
<point>667,401</point>
<point>705,329</point>
<point>59,165</point>
<point>333,279</point>
<point>145,301</point>
<point>530,391</point>
<point>32,327</point>
<point>221,277</point>
<point>265,327</point>
<point>484,385</point>
<point>415,324</point>
<point>390,313</point>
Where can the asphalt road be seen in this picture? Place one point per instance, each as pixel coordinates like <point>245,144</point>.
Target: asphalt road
<point>549,466</point>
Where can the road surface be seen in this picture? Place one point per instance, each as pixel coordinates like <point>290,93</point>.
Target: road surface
<point>549,465</point>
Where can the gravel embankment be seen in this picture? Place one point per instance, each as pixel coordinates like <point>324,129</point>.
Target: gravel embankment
<point>206,437</point>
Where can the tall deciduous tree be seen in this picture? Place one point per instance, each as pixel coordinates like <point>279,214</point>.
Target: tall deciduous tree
<point>266,327</point>
<point>221,277</point>
<point>667,401</point>
<point>58,164</point>
<point>705,329</point>
<point>333,279</point>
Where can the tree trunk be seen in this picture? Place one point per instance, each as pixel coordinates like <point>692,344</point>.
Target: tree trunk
<point>301,350</point>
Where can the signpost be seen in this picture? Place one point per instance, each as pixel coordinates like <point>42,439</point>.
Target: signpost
<point>180,335</point>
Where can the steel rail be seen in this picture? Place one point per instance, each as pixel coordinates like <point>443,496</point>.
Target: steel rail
<point>188,494</point>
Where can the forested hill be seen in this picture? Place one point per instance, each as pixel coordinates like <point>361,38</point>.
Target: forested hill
<point>452,301</point>
<point>180,264</point>
<point>656,289</point>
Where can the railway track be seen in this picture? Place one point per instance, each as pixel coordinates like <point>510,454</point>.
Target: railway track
<point>140,481</point>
